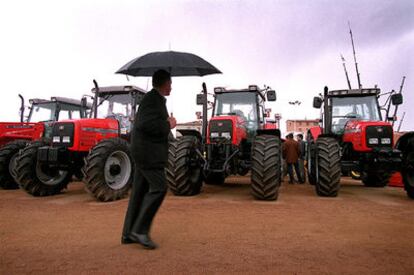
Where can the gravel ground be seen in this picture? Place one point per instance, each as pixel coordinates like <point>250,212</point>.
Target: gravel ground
<point>223,230</point>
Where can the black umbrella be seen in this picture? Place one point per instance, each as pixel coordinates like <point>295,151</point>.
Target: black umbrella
<point>177,63</point>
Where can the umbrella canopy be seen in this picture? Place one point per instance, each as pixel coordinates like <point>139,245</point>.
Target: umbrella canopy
<point>177,63</point>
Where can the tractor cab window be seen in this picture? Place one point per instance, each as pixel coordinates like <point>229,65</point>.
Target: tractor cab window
<point>353,108</point>
<point>68,111</point>
<point>42,112</point>
<point>240,104</point>
<point>117,107</point>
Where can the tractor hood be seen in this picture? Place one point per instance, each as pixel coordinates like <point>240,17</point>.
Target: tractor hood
<point>10,131</point>
<point>366,135</point>
<point>226,128</point>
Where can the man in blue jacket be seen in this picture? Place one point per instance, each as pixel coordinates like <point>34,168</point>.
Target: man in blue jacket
<point>149,146</point>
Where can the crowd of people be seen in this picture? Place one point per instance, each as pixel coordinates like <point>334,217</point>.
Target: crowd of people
<point>294,155</point>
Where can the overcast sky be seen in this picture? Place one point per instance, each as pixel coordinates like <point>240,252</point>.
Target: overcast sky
<point>57,47</point>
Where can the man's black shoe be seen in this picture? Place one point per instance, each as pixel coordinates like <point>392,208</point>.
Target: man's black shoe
<point>126,240</point>
<point>143,239</point>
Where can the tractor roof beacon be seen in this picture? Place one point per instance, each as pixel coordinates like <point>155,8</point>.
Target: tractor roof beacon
<point>94,149</point>
<point>353,137</point>
<point>236,140</point>
<point>37,125</point>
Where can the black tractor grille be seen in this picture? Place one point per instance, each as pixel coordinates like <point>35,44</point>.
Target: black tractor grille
<point>63,134</point>
<point>221,130</point>
<point>379,136</point>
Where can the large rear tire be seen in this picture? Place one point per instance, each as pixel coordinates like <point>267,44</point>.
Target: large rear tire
<point>328,167</point>
<point>38,179</point>
<point>8,154</point>
<point>266,167</point>
<point>184,171</point>
<point>377,178</point>
<point>408,168</point>
<point>311,155</point>
<point>108,170</point>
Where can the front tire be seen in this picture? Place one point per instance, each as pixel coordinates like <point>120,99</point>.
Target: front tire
<point>38,179</point>
<point>184,172</point>
<point>108,170</point>
<point>408,168</point>
<point>266,167</point>
<point>328,167</point>
<point>8,155</point>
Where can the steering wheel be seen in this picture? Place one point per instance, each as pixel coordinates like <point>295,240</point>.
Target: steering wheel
<point>353,115</point>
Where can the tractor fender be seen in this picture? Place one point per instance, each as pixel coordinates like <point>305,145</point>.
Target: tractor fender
<point>403,141</point>
<point>271,132</point>
<point>190,132</point>
<point>315,132</point>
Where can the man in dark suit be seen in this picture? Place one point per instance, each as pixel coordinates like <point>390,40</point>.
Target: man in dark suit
<point>149,146</point>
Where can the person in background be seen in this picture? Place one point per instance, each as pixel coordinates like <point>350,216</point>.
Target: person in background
<point>149,147</point>
<point>291,153</point>
<point>302,156</point>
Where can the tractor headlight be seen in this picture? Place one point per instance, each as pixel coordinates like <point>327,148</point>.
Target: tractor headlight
<point>373,141</point>
<point>56,139</point>
<point>214,134</point>
<point>226,135</point>
<point>66,139</point>
<point>385,141</point>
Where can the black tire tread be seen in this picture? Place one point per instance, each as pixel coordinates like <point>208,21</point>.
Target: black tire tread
<point>266,167</point>
<point>178,171</point>
<point>93,170</point>
<point>6,154</point>
<point>26,173</point>
<point>329,166</point>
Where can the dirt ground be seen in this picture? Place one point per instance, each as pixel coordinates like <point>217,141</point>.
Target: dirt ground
<point>223,230</point>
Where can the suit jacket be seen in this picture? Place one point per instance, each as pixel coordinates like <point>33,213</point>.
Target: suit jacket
<point>149,140</point>
<point>291,151</point>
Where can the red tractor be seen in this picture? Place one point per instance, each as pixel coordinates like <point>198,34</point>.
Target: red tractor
<point>353,137</point>
<point>236,140</point>
<point>96,148</point>
<point>37,125</point>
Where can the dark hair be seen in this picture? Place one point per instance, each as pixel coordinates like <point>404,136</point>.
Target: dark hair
<point>290,135</point>
<point>160,77</point>
<point>300,135</point>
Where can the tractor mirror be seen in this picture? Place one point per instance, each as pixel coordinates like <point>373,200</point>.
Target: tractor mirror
<point>317,102</point>
<point>200,99</point>
<point>397,99</point>
<point>271,95</point>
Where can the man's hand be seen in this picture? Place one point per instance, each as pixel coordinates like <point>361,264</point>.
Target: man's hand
<point>172,121</point>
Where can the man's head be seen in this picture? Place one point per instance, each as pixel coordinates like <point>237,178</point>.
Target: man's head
<point>299,137</point>
<point>290,136</point>
<point>161,81</point>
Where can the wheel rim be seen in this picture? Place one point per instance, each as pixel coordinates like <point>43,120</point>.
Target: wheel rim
<point>409,170</point>
<point>50,176</point>
<point>117,170</point>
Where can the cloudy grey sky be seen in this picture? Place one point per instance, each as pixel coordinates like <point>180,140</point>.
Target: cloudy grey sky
<point>57,48</point>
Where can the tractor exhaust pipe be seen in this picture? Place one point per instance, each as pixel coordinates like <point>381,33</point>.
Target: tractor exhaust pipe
<point>21,108</point>
<point>204,128</point>
<point>326,112</point>
<point>95,99</point>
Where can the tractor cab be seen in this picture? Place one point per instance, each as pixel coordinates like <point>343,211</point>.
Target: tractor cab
<point>352,105</point>
<point>119,103</point>
<point>241,111</point>
<point>57,108</point>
